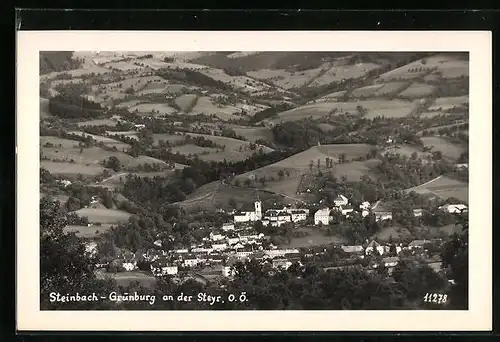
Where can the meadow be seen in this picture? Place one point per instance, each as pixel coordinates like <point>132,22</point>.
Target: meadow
<point>448,149</point>
<point>86,231</point>
<point>374,108</point>
<point>108,216</point>
<point>446,103</point>
<point>444,187</point>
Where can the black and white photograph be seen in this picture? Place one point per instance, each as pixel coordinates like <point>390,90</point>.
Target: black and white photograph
<point>255,180</point>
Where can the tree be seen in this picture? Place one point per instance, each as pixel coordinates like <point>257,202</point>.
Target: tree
<point>64,265</point>
<point>248,182</point>
<point>318,163</point>
<point>311,164</point>
<point>281,174</point>
<point>113,163</point>
<point>232,202</point>
<point>287,173</point>
<point>342,158</point>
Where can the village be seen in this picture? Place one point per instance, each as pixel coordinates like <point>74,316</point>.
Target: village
<point>239,241</point>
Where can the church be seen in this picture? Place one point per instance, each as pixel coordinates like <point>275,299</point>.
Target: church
<point>250,216</point>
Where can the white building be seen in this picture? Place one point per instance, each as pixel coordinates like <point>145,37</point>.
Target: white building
<point>219,246</point>
<point>216,236</point>
<point>417,212</point>
<point>374,247</point>
<point>364,206</point>
<point>383,216</point>
<point>281,263</point>
<point>346,210</point>
<point>454,208</point>
<point>227,226</point>
<point>250,216</point>
<point>341,200</point>
<point>280,252</point>
<point>298,215</point>
<point>322,216</point>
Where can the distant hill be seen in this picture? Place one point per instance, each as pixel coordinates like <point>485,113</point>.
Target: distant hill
<point>56,61</point>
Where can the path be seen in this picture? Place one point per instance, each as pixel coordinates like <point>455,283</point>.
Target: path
<point>422,185</point>
<point>111,177</point>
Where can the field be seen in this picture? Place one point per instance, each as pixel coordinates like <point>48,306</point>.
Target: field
<point>448,149</point>
<point>87,232</point>
<point>406,150</point>
<point>239,83</point>
<point>148,108</point>
<point>288,79</point>
<point>191,149</point>
<point>418,90</point>
<point>298,164</point>
<point>98,122</point>
<point>129,134</point>
<point>72,169</point>
<point>105,140</point>
<point>126,278</point>
<point>204,105</point>
<point>431,114</point>
<point>315,238</point>
<point>166,137</point>
<point>395,232</point>
<point>354,170</point>
<point>446,103</point>
<point>447,65</point>
<point>76,72</point>
<point>444,187</point>
<point>337,73</point>
<point>58,142</point>
<point>215,195</point>
<point>325,127</point>
<point>114,181</point>
<point>186,102</point>
<point>144,160</point>
<point>374,108</point>
<point>254,133</point>
<point>88,156</point>
<point>109,216</point>
<point>231,152</point>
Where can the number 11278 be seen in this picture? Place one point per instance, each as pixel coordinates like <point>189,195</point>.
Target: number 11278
<point>438,298</point>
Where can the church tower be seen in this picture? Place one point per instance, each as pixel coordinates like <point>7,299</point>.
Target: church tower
<point>258,207</point>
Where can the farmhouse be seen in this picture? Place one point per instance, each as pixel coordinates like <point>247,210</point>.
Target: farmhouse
<point>216,236</point>
<point>281,263</point>
<point>227,226</point>
<point>322,216</point>
<point>219,246</point>
<point>298,215</point>
<point>346,210</point>
<point>191,260</point>
<point>374,247</point>
<point>383,215</point>
<point>418,212</point>
<point>417,244</point>
<point>163,267</point>
<point>280,252</point>
<point>353,249</point>
<point>364,206</point>
<point>341,200</point>
<point>454,208</point>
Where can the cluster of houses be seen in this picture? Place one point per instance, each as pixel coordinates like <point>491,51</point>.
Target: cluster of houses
<point>324,216</point>
<point>273,217</point>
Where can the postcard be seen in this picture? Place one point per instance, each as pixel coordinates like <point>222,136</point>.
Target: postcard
<point>254,181</point>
